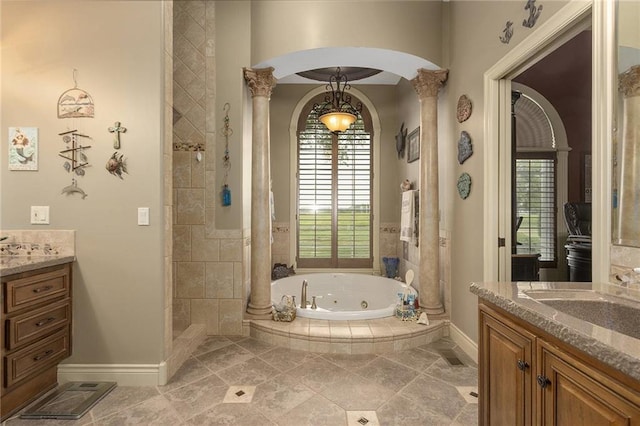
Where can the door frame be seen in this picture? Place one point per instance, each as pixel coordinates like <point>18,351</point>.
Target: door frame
<point>562,26</point>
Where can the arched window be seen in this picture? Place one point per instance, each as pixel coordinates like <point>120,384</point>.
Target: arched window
<point>536,182</point>
<point>334,193</point>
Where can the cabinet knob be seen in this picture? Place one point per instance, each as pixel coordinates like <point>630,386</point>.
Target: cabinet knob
<point>543,382</point>
<point>522,365</point>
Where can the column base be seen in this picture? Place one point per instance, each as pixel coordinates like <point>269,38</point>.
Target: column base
<point>432,310</point>
<point>259,312</point>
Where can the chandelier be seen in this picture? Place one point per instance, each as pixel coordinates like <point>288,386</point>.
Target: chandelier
<point>336,112</point>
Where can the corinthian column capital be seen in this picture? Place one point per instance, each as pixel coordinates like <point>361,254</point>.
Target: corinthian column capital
<point>629,82</point>
<point>428,82</point>
<point>260,81</point>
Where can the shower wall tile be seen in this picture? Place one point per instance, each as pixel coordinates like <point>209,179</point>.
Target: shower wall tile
<point>238,280</point>
<point>197,170</point>
<point>196,10</point>
<point>174,216</point>
<point>190,207</point>
<point>210,144</point>
<point>168,282</point>
<point>190,279</point>
<point>167,184</point>
<point>168,331</point>
<point>188,54</point>
<point>211,267</point>
<point>219,280</point>
<point>230,317</point>
<point>231,250</point>
<point>181,314</point>
<point>206,311</point>
<point>203,249</point>
<point>280,246</point>
<point>181,243</point>
<point>188,137</point>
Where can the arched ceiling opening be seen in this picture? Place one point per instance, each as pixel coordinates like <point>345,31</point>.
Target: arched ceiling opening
<point>393,64</point>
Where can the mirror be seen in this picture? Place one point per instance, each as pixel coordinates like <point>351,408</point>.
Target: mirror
<point>626,149</point>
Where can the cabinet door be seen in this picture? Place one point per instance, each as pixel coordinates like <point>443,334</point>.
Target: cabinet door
<point>572,393</point>
<point>505,371</point>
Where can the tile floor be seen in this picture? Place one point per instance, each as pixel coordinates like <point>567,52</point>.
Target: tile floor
<point>243,381</point>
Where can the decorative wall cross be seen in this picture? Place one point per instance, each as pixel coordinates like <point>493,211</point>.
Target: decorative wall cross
<point>116,130</point>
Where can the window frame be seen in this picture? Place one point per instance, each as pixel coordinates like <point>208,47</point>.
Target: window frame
<point>334,262</point>
<point>546,155</point>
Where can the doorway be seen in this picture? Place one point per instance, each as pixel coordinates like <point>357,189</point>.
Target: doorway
<point>558,30</point>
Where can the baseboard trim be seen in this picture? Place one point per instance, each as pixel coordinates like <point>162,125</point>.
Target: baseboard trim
<point>464,342</point>
<point>123,374</point>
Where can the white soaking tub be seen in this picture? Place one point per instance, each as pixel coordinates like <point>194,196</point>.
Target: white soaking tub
<point>342,296</point>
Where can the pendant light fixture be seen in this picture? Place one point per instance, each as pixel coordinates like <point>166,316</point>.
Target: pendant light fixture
<point>336,112</point>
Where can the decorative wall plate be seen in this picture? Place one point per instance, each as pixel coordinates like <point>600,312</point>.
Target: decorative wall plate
<point>465,149</point>
<point>464,108</point>
<point>401,140</point>
<point>464,185</point>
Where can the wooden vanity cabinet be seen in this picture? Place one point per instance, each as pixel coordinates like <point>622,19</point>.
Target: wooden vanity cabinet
<point>528,377</point>
<point>506,356</point>
<point>36,333</point>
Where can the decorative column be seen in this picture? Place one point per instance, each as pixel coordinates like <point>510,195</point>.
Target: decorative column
<point>629,154</point>
<point>261,82</point>
<point>427,84</point>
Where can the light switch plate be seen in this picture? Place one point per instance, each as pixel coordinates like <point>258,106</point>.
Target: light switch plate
<point>39,215</point>
<point>143,216</point>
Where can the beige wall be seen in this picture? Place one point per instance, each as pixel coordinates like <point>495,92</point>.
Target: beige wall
<point>473,48</point>
<point>628,16</point>
<point>281,27</point>
<point>117,48</point>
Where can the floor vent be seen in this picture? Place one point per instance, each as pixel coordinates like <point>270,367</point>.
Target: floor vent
<point>451,357</point>
<point>70,401</point>
<point>363,421</point>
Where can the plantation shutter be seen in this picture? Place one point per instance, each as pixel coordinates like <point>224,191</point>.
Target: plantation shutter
<point>334,196</point>
<point>354,193</point>
<point>315,188</point>
<point>536,204</point>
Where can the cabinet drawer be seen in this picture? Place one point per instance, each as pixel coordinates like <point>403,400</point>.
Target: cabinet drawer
<point>33,290</point>
<point>26,362</point>
<point>32,326</point>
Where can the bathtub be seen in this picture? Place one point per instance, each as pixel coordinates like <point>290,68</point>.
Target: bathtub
<point>342,296</point>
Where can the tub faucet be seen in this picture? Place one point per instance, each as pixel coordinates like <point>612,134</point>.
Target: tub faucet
<point>303,296</point>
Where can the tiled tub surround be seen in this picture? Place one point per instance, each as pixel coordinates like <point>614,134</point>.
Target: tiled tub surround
<point>616,350</point>
<point>348,337</point>
<point>25,250</point>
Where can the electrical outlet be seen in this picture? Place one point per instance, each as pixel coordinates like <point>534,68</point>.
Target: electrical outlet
<point>39,215</point>
<point>143,216</point>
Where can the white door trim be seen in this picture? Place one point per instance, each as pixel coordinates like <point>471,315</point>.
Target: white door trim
<point>563,25</point>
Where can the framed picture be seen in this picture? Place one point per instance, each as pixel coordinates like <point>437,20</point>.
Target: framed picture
<point>413,145</point>
<point>23,148</point>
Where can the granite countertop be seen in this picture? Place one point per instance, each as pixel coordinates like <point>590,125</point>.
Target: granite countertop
<point>615,349</point>
<point>10,265</point>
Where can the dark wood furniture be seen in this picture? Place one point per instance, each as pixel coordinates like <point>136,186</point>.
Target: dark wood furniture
<point>525,267</point>
<point>36,333</point>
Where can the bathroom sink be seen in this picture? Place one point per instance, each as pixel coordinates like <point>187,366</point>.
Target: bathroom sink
<point>614,313</point>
